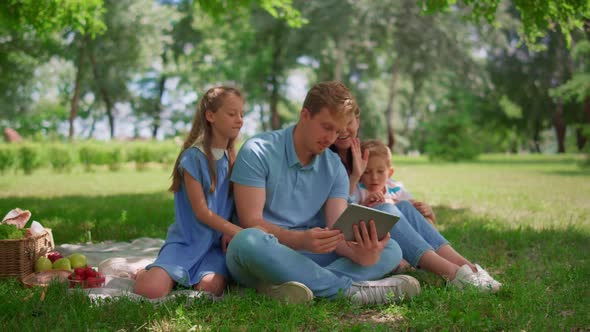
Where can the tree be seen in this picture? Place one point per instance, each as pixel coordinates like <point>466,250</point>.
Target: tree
<point>279,9</point>
<point>46,17</point>
<point>577,89</point>
<point>106,68</point>
<point>538,17</point>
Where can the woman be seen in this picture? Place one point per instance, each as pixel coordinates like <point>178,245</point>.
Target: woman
<point>422,245</point>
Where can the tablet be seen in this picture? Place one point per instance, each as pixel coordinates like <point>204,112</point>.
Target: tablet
<point>354,213</point>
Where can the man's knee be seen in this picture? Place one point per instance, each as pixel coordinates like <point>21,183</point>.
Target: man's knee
<point>246,240</point>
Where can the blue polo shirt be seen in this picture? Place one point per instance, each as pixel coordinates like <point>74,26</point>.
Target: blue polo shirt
<point>295,194</point>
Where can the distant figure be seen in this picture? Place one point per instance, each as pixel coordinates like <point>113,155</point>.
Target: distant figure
<point>11,136</point>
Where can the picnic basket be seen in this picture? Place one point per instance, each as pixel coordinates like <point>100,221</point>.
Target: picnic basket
<point>17,257</point>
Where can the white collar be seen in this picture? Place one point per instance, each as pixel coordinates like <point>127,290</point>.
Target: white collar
<point>217,153</point>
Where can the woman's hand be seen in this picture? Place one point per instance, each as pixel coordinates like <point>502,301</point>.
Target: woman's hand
<point>359,161</point>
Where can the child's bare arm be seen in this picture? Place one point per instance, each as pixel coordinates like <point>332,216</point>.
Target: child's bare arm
<point>196,196</point>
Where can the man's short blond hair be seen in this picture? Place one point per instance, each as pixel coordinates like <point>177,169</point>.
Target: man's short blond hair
<point>376,148</point>
<point>334,96</point>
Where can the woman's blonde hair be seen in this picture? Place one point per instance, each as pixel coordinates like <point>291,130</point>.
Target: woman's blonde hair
<point>201,133</point>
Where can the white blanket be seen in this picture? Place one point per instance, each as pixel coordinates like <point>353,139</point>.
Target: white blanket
<point>119,263</point>
<point>139,251</point>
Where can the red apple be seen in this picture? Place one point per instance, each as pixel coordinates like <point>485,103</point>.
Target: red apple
<point>54,255</point>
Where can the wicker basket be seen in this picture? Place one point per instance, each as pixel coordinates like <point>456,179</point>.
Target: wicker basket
<point>17,257</point>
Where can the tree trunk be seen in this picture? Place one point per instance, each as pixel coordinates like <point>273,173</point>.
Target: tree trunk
<point>76,96</point>
<point>559,126</point>
<point>263,122</point>
<point>105,96</point>
<point>389,111</point>
<point>536,147</point>
<point>340,53</point>
<point>92,127</point>
<point>580,139</point>
<point>275,121</point>
<point>581,134</point>
<point>158,107</point>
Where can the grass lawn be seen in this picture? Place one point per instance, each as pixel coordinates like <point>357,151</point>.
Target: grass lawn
<point>526,219</point>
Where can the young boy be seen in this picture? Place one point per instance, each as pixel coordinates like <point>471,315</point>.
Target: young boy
<point>376,185</point>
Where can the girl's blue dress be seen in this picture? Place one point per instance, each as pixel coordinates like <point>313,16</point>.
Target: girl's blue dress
<point>193,249</point>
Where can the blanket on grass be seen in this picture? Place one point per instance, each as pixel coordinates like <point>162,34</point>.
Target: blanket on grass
<point>119,263</point>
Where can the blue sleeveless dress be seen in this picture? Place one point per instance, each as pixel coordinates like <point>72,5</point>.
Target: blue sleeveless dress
<point>192,249</point>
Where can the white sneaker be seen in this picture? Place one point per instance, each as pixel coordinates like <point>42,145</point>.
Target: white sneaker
<point>496,285</point>
<point>465,276</point>
<point>383,291</point>
<point>291,291</point>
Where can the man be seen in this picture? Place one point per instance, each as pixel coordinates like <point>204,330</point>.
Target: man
<point>286,183</point>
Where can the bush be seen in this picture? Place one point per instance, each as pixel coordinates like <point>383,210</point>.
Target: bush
<point>141,155</point>
<point>60,158</point>
<point>115,159</point>
<point>166,154</point>
<point>8,157</point>
<point>30,158</point>
<point>84,154</point>
<point>450,137</point>
<point>93,155</point>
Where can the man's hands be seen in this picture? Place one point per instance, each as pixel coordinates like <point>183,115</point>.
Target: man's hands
<point>321,240</point>
<point>366,247</point>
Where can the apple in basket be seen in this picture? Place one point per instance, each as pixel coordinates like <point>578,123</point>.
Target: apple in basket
<point>86,277</point>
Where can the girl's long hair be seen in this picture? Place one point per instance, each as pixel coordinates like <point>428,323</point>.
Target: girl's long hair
<point>201,133</point>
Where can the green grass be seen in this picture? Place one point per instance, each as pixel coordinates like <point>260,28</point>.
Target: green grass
<point>526,219</point>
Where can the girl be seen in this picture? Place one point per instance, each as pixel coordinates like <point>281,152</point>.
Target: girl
<point>193,254</point>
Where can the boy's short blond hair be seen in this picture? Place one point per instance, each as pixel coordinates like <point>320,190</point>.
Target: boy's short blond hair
<point>376,148</point>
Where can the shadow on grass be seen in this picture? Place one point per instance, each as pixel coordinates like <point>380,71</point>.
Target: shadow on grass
<point>478,234</point>
<point>540,270</point>
<point>544,272</point>
<point>98,218</point>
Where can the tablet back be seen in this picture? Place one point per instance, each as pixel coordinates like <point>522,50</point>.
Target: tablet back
<point>354,213</point>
